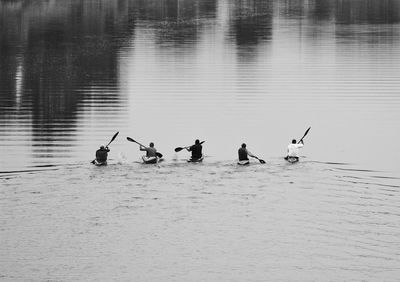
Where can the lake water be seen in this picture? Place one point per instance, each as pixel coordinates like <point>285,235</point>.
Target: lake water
<point>73,73</point>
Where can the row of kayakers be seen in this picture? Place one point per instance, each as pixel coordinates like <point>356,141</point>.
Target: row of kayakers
<point>152,156</point>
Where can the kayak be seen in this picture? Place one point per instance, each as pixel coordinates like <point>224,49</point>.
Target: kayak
<point>292,159</point>
<point>196,160</point>
<point>97,163</point>
<point>151,160</point>
<point>244,162</point>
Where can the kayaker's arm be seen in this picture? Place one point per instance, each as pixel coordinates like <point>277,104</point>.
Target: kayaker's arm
<point>250,154</point>
<point>142,148</point>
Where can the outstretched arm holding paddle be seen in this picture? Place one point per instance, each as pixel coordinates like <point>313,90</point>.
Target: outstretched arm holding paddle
<point>260,160</point>
<point>244,153</point>
<point>293,148</point>
<point>102,153</point>
<point>149,150</point>
<point>196,149</point>
<point>178,149</point>
<point>301,140</point>
<point>253,156</point>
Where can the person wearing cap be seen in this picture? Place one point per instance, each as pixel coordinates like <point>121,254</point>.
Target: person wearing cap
<point>150,151</point>
<point>293,149</point>
<point>244,153</point>
<point>102,154</point>
<point>196,150</point>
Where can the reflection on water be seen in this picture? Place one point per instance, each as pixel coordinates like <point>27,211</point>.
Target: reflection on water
<point>343,12</point>
<point>57,62</point>
<point>174,22</point>
<point>74,72</point>
<point>251,22</point>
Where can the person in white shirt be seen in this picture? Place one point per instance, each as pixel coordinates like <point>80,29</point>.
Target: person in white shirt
<point>293,149</point>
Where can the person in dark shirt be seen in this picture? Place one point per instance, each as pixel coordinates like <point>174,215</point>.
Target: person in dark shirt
<point>244,153</point>
<point>102,154</point>
<point>196,150</point>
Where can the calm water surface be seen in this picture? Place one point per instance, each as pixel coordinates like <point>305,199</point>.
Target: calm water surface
<point>73,73</point>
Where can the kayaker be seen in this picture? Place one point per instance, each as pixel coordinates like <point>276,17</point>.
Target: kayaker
<point>244,153</point>
<point>196,150</point>
<point>150,151</point>
<point>102,154</point>
<point>293,149</point>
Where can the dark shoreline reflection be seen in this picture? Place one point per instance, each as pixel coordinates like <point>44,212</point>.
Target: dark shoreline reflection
<point>345,17</point>
<point>368,12</point>
<point>251,24</point>
<point>49,52</point>
<point>344,11</point>
<point>175,22</point>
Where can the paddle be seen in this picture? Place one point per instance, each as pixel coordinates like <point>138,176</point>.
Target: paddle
<point>112,139</point>
<point>260,160</point>
<point>131,140</point>
<point>178,149</point>
<point>304,135</point>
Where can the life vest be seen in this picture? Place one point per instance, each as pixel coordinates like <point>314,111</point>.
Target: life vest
<point>243,156</point>
<point>101,155</point>
<point>196,151</point>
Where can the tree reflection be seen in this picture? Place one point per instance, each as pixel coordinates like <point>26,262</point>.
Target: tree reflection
<point>175,22</point>
<point>367,12</point>
<point>252,21</point>
<point>251,24</point>
<point>54,50</point>
<point>344,11</point>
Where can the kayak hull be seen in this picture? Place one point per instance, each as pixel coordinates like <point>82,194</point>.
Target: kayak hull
<point>292,159</point>
<point>196,160</point>
<point>97,163</point>
<point>151,160</point>
<point>244,162</point>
